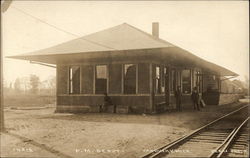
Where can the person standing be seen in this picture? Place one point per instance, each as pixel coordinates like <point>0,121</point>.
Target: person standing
<point>178,98</point>
<point>107,102</point>
<point>195,98</point>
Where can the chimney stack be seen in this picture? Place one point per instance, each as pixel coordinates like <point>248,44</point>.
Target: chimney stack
<point>155,29</point>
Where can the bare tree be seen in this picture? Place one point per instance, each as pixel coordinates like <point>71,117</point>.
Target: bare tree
<point>34,83</point>
<point>48,86</point>
<point>17,85</point>
<point>52,84</point>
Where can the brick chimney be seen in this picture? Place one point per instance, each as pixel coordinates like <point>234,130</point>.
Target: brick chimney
<point>155,29</point>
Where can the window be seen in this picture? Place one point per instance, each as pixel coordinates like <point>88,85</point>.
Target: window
<point>211,83</point>
<point>199,81</point>
<point>157,80</point>
<point>143,78</point>
<point>173,81</point>
<point>115,78</point>
<point>87,79</point>
<point>74,80</point>
<point>163,78</point>
<point>195,79</point>
<point>186,81</point>
<point>62,79</point>
<point>129,78</point>
<point>101,79</point>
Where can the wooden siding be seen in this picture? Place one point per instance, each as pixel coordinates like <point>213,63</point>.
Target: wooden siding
<point>137,104</point>
<point>63,78</point>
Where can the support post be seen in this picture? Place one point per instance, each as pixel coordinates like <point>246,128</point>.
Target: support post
<point>151,88</point>
<point>167,86</point>
<point>4,7</point>
<point>219,84</point>
<point>1,87</point>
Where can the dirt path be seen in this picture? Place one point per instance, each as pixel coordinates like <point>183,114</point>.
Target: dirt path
<point>103,135</point>
<point>15,147</point>
<point>36,144</point>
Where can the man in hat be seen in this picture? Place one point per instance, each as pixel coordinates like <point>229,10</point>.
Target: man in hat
<point>178,98</point>
<point>195,98</point>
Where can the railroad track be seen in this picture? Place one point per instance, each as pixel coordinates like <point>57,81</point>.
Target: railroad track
<point>211,140</point>
<point>238,144</point>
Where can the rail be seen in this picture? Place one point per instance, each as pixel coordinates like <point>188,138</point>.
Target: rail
<point>230,140</point>
<point>181,140</point>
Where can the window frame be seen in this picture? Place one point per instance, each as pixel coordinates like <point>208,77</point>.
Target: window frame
<point>136,78</point>
<point>173,80</point>
<point>95,77</point>
<point>158,80</point>
<point>190,81</point>
<point>121,76</point>
<point>71,84</point>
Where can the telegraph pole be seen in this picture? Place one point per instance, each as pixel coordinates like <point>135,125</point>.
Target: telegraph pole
<point>1,85</point>
<point>4,7</point>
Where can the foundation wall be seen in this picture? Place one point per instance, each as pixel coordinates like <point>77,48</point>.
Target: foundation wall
<point>135,104</point>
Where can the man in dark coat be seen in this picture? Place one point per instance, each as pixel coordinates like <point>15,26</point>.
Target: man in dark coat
<point>108,102</point>
<point>178,98</point>
<point>195,99</point>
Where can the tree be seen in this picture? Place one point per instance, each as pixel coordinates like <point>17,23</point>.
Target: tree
<point>52,84</point>
<point>34,83</point>
<point>17,85</point>
<point>48,86</point>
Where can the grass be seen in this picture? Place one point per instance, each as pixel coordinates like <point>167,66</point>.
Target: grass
<point>28,100</point>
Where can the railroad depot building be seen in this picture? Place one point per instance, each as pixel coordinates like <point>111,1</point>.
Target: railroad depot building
<point>139,71</point>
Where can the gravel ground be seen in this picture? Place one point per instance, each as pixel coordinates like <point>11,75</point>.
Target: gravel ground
<point>98,135</point>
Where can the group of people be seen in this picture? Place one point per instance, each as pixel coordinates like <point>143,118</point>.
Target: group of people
<point>194,96</point>
<point>178,95</point>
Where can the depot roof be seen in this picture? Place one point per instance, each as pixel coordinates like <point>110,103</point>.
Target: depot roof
<point>123,37</point>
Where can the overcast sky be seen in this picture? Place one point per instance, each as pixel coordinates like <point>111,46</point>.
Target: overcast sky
<point>215,31</point>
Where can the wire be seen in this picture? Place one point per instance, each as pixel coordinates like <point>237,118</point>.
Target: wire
<point>60,29</point>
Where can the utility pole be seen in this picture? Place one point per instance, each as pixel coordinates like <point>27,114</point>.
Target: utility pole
<point>4,7</point>
<point>1,85</point>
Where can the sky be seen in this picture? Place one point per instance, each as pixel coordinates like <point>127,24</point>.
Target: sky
<point>216,31</point>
